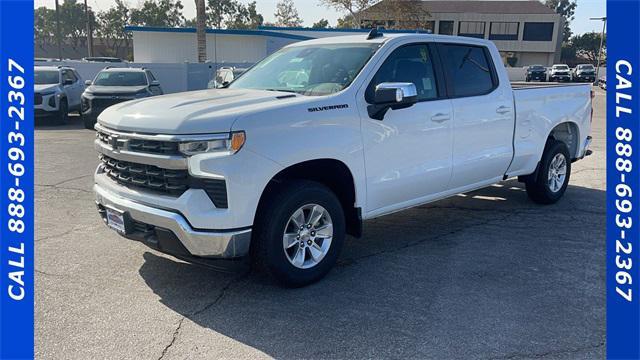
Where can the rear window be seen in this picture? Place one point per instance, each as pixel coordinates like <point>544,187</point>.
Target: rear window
<point>469,69</point>
<point>115,78</point>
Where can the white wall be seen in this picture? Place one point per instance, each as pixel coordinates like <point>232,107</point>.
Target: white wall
<point>176,47</point>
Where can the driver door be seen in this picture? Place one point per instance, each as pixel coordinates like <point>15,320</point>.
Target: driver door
<point>408,155</point>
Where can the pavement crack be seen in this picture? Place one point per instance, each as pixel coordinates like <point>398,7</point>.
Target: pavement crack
<point>215,301</point>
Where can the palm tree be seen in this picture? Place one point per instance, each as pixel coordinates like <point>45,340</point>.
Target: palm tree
<point>200,31</point>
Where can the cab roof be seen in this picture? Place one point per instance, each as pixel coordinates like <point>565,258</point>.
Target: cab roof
<point>386,37</point>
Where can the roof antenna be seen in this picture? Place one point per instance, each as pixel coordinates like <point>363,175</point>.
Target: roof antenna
<point>375,33</point>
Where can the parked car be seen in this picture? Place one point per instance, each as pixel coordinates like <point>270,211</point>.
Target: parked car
<point>584,73</point>
<point>560,72</point>
<point>224,76</point>
<point>536,72</point>
<point>282,167</point>
<point>57,91</point>
<point>115,85</point>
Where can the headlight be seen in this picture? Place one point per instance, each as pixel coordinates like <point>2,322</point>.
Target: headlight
<point>222,147</point>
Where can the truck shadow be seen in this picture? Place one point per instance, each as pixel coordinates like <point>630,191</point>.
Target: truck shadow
<point>483,274</point>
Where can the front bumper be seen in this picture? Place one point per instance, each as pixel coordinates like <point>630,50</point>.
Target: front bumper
<point>586,77</point>
<point>560,77</point>
<point>158,226</point>
<point>536,76</point>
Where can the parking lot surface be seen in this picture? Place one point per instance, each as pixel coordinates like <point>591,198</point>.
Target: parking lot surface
<point>487,275</point>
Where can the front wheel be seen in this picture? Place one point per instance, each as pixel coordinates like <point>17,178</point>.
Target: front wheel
<point>553,176</point>
<point>299,232</point>
<point>63,112</point>
<point>89,122</point>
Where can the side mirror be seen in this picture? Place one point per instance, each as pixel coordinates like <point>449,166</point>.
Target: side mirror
<point>392,96</point>
<point>66,82</point>
<point>88,83</point>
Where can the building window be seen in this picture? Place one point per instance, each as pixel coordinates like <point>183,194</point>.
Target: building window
<point>504,31</point>
<point>538,31</point>
<point>445,27</point>
<point>471,29</point>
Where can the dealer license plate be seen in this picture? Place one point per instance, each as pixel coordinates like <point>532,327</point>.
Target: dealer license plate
<point>115,220</point>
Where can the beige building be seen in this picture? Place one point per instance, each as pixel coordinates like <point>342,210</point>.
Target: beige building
<point>526,32</point>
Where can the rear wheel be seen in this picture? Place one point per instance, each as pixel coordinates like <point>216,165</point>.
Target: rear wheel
<point>553,176</point>
<point>299,232</point>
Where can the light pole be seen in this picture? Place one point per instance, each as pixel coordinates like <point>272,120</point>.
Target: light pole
<point>604,26</point>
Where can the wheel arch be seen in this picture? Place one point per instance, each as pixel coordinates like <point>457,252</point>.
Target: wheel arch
<point>332,173</point>
<point>567,132</point>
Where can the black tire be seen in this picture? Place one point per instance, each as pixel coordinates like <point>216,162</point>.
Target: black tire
<point>267,245</point>
<point>539,188</point>
<point>62,117</point>
<point>88,121</point>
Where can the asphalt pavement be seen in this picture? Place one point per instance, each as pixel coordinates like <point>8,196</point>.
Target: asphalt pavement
<point>484,275</point>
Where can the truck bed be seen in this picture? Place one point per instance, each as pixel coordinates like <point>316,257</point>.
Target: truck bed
<point>539,109</point>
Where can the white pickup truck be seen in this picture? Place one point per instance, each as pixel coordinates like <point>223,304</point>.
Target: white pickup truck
<point>322,135</point>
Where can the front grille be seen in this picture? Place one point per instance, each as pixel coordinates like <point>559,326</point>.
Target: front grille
<point>103,103</point>
<point>144,146</point>
<point>154,147</point>
<point>37,99</point>
<point>165,181</point>
<point>173,182</point>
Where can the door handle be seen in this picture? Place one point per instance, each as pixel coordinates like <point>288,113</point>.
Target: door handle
<point>503,110</point>
<point>440,117</point>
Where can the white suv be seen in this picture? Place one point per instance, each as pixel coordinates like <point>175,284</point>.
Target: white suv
<point>57,92</point>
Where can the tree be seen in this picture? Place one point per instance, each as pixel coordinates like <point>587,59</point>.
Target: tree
<point>353,8</point>
<point>567,9</point>
<point>587,46</point>
<point>201,25</point>
<point>245,17</point>
<point>287,15</point>
<point>402,14</point>
<point>219,12</point>
<point>111,25</point>
<point>44,27</point>
<point>73,22</point>
<point>164,13</point>
<point>321,24</point>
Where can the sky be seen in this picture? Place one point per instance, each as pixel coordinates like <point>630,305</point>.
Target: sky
<point>310,11</point>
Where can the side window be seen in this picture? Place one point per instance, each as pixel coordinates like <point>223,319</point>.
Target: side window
<point>468,69</point>
<point>412,64</point>
<point>68,75</point>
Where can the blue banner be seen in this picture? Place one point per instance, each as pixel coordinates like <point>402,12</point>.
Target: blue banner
<point>623,183</point>
<point>16,179</point>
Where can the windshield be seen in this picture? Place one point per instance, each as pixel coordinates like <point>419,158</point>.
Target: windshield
<point>560,67</point>
<point>46,77</point>
<point>537,67</point>
<point>124,78</point>
<point>308,70</point>
<point>585,67</point>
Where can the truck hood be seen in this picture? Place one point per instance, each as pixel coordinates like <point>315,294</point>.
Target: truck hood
<point>195,112</point>
<point>98,90</point>
<point>45,88</point>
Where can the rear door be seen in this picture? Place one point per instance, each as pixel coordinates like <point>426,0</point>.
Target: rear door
<point>408,153</point>
<point>483,115</point>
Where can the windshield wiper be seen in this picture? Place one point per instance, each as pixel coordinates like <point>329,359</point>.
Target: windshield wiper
<point>283,90</point>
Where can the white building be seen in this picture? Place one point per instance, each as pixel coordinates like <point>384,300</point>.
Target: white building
<point>525,32</point>
<point>224,47</point>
